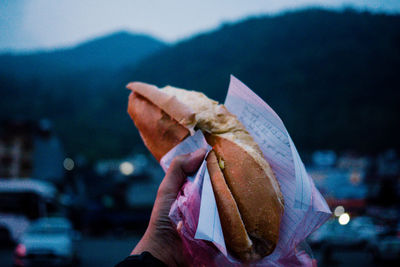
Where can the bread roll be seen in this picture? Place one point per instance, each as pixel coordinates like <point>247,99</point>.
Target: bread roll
<point>247,193</point>
<point>158,130</point>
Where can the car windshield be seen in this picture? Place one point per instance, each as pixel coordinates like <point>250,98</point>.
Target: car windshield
<point>25,203</point>
<point>47,230</point>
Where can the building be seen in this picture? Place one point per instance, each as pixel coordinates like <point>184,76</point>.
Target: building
<point>341,179</point>
<point>30,149</point>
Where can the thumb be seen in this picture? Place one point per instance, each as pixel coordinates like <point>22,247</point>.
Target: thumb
<point>180,168</point>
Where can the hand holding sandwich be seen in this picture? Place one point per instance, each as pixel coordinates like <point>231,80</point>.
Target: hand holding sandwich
<point>246,191</point>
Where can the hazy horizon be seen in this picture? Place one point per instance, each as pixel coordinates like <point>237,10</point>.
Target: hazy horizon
<point>30,26</point>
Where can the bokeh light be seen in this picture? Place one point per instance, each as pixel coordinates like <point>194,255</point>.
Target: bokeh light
<point>69,164</point>
<point>126,168</point>
<point>344,219</point>
<point>339,210</point>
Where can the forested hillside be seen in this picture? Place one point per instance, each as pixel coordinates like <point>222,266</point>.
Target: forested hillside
<point>333,77</point>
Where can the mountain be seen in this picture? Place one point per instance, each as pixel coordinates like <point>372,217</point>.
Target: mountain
<point>331,76</point>
<point>108,52</point>
<point>80,89</point>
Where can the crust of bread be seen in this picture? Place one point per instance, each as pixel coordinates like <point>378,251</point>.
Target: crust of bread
<point>160,133</point>
<point>235,234</point>
<point>253,190</point>
<point>182,113</point>
<point>246,190</point>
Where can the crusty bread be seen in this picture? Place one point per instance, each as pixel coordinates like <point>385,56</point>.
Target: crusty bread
<point>248,196</point>
<point>169,104</point>
<point>258,199</point>
<point>159,131</point>
<point>231,221</point>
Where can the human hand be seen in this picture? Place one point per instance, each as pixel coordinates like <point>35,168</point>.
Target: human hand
<point>161,238</point>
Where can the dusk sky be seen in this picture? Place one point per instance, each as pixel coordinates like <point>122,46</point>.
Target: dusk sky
<point>48,24</point>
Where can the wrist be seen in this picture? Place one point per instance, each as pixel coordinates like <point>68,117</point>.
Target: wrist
<point>156,246</point>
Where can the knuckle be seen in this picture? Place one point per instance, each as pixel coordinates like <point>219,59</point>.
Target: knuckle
<point>178,161</point>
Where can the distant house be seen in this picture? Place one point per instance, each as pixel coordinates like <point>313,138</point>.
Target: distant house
<point>30,149</point>
<point>340,183</point>
<point>340,179</point>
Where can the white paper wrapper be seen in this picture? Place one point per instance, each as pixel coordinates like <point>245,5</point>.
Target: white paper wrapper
<point>195,210</point>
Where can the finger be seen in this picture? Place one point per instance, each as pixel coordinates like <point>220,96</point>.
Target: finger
<point>193,163</point>
<point>180,167</point>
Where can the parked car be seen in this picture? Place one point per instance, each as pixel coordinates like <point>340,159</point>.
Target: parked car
<point>360,233</point>
<point>47,242</point>
<point>21,202</point>
<point>387,246</point>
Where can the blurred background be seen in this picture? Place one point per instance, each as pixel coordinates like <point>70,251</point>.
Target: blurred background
<point>76,183</point>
